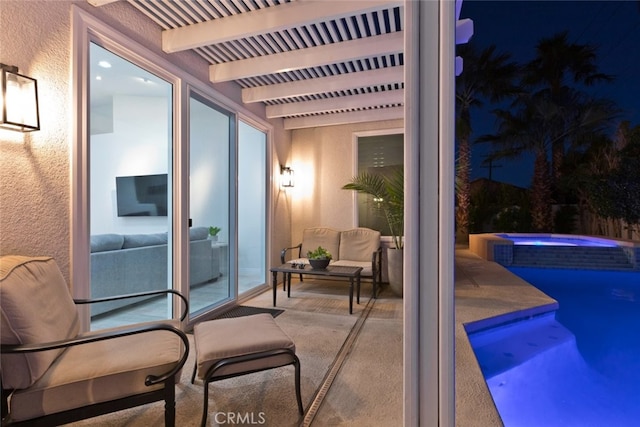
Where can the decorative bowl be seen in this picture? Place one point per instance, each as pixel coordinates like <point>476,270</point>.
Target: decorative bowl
<point>319,264</point>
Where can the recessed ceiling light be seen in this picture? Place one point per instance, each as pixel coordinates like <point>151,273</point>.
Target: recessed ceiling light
<point>104,64</point>
<point>98,77</point>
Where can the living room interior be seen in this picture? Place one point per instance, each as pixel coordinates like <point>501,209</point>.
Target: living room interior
<point>59,183</point>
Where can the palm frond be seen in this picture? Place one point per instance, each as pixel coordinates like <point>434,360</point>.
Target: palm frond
<point>389,192</point>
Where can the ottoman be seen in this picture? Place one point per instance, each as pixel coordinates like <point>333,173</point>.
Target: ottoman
<point>227,348</point>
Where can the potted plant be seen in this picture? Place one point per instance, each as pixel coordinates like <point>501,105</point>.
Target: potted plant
<point>388,198</point>
<point>213,233</point>
<point>319,258</point>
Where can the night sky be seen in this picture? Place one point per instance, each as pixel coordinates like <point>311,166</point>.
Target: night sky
<point>517,26</point>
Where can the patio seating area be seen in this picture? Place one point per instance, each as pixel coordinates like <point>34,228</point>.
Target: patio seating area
<point>352,364</point>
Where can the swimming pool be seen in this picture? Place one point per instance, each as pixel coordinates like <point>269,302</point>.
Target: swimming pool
<point>557,240</point>
<point>578,366</point>
<point>557,251</point>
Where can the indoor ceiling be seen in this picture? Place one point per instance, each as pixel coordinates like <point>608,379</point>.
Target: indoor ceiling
<point>311,62</point>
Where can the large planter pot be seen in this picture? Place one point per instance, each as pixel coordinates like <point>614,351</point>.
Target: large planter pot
<point>395,270</point>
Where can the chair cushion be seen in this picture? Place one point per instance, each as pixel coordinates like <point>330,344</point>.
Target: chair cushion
<point>325,237</point>
<point>36,307</point>
<point>99,372</point>
<point>359,244</point>
<point>223,338</point>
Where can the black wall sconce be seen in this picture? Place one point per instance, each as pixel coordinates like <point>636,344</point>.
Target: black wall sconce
<point>286,176</point>
<point>19,101</point>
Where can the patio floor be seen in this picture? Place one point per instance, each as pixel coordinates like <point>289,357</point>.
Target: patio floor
<point>485,294</point>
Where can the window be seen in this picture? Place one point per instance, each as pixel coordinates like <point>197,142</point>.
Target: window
<point>380,154</point>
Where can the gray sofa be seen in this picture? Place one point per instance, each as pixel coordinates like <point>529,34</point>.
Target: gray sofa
<point>129,263</point>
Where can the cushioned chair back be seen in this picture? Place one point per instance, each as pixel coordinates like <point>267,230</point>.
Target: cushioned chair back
<point>325,237</point>
<point>35,307</point>
<point>359,244</point>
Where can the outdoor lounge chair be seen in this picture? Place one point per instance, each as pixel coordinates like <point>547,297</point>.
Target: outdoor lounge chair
<point>51,374</point>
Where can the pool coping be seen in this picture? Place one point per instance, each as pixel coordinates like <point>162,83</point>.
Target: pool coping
<point>486,295</point>
<point>493,247</point>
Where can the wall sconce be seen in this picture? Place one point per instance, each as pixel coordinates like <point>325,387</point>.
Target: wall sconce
<point>19,101</point>
<point>286,176</point>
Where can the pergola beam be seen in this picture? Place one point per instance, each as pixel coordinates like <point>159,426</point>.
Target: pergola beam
<point>267,20</point>
<point>377,99</point>
<point>379,77</point>
<point>373,115</point>
<point>98,3</point>
<point>385,44</point>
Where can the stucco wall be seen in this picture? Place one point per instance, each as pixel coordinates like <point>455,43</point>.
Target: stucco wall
<point>323,160</point>
<point>280,198</point>
<point>35,168</point>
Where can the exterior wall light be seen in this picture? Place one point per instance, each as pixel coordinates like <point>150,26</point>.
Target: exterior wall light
<point>19,101</point>
<point>286,176</point>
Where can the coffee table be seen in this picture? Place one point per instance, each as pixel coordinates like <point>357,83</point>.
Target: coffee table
<point>352,273</point>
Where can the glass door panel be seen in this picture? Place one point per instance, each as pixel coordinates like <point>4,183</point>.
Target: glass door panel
<point>130,142</point>
<point>210,136</point>
<point>252,190</point>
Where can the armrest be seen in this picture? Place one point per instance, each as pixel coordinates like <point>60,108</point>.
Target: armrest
<point>140,294</point>
<point>376,263</point>
<point>376,257</point>
<point>150,380</point>
<point>283,253</point>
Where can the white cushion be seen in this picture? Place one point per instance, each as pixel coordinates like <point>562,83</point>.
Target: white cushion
<point>328,238</point>
<point>99,372</point>
<point>223,338</point>
<point>36,307</point>
<point>359,244</point>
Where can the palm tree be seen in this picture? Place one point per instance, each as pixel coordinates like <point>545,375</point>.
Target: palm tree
<point>557,65</point>
<point>553,113</point>
<point>535,125</point>
<point>486,75</point>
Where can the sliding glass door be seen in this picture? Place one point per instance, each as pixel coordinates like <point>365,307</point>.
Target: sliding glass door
<point>252,191</point>
<point>140,186</point>
<point>130,174</point>
<point>211,133</point>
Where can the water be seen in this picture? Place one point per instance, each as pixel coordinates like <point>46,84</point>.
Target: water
<point>579,366</point>
<point>533,240</point>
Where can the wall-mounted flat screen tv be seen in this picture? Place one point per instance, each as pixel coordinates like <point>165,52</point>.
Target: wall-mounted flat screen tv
<point>143,195</point>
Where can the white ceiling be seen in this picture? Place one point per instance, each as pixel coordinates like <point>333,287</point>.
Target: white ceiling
<point>311,62</point>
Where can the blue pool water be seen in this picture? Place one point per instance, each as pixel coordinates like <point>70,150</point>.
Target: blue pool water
<point>557,240</point>
<point>579,366</point>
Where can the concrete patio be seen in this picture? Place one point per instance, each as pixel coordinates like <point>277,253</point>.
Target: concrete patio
<point>486,294</point>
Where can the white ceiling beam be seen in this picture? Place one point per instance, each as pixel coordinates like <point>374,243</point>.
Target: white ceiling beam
<point>98,3</point>
<point>267,20</point>
<point>387,97</point>
<point>379,77</point>
<point>334,119</point>
<point>385,44</point>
